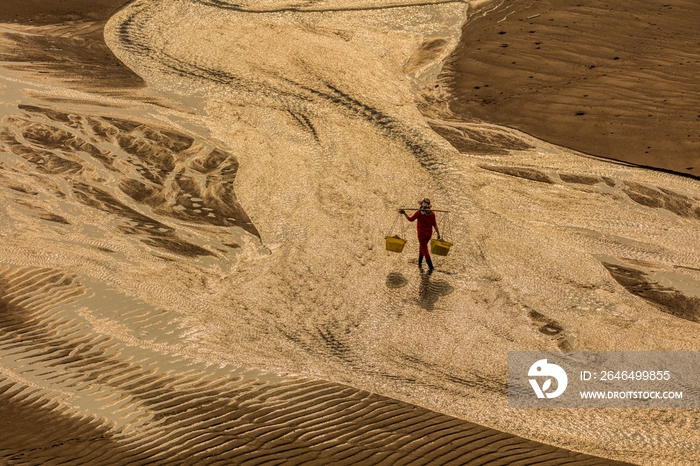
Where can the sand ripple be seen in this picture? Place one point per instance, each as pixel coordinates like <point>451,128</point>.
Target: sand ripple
<point>77,388</point>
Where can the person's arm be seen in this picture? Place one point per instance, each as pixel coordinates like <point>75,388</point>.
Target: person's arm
<point>437,230</point>
<point>411,218</point>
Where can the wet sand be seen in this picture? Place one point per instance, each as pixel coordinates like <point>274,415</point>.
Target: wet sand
<point>66,40</point>
<point>38,12</point>
<point>166,409</point>
<point>294,421</point>
<point>612,79</point>
<point>139,204</point>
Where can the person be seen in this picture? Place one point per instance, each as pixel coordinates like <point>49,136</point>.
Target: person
<point>426,223</point>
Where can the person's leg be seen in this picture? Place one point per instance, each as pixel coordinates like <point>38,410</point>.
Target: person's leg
<point>422,249</point>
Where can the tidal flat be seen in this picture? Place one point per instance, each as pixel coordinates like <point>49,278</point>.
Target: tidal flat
<point>195,198</point>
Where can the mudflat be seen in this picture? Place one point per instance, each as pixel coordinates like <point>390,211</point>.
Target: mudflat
<point>69,45</point>
<point>50,12</point>
<point>612,79</point>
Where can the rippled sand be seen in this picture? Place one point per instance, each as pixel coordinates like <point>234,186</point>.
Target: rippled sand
<point>614,79</point>
<point>91,376</point>
<point>240,203</point>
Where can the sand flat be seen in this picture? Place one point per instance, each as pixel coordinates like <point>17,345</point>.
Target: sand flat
<point>90,375</point>
<point>616,80</point>
<point>64,39</point>
<point>305,117</point>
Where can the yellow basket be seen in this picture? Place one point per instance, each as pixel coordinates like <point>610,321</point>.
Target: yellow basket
<point>395,244</point>
<point>439,247</point>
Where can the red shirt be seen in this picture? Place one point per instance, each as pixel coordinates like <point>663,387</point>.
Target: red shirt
<point>425,223</point>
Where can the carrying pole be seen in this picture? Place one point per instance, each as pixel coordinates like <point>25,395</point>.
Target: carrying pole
<point>432,210</point>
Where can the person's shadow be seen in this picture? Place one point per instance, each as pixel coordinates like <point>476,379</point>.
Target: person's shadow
<point>429,289</point>
<point>396,280</point>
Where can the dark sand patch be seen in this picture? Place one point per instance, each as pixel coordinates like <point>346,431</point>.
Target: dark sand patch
<point>551,328</point>
<point>172,173</point>
<point>428,52</point>
<point>660,198</point>
<point>157,234</point>
<point>520,172</point>
<point>617,80</point>
<point>579,179</point>
<point>479,141</point>
<point>74,50</point>
<point>41,12</point>
<point>44,161</point>
<point>24,190</point>
<point>668,300</point>
<point>586,179</point>
<point>42,213</point>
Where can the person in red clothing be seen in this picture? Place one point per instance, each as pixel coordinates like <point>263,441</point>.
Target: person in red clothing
<point>426,223</point>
